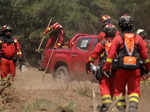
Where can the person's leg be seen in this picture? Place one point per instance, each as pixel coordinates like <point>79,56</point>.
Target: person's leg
<point>4,68</point>
<point>44,59</point>
<point>12,68</point>
<point>119,87</point>
<point>4,71</point>
<point>134,89</point>
<point>148,80</point>
<point>105,94</point>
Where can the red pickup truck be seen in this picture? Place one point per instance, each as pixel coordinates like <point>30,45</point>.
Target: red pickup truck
<point>71,60</point>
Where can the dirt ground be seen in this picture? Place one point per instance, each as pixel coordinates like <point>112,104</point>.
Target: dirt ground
<point>35,91</point>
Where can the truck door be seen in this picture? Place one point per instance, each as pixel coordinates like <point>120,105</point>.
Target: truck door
<point>80,52</point>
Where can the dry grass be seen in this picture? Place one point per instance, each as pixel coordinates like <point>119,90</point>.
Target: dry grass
<point>44,105</point>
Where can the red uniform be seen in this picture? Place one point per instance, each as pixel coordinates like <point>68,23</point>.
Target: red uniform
<point>57,37</point>
<point>101,50</point>
<point>10,47</point>
<point>101,36</point>
<point>105,85</point>
<point>129,77</point>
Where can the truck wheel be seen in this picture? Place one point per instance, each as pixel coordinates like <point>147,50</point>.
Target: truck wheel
<point>61,72</point>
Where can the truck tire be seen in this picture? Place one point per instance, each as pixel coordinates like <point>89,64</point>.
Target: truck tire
<point>61,72</point>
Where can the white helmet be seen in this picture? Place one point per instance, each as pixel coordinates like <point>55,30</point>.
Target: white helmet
<point>142,33</point>
<point>139,31</point>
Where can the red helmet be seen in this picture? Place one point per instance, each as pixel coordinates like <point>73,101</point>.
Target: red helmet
<point>106,19</point>
<point>56,26</point>
<point>110,30</point>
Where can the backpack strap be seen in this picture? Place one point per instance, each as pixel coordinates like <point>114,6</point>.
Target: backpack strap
<point>136,45</point>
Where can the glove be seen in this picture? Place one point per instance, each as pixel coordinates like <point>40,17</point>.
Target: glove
<point>88,67</point>
<point>108,74</point>
<point>99,74</point>
<point>58,45</point>
<point>15,59</point>
<point>107,70</point>
<point>21,60</point>
<point>144,71</point>
<point>147,67</point>
<point>44,33</point>
<point>107,66</point>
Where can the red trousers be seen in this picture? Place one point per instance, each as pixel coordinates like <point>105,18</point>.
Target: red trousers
<point>51,43</point>
<point>7,67</point>
<point>106,86</point>
<point>131,78</point>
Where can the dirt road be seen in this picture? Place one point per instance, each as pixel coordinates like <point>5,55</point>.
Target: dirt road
<point>35,94</point>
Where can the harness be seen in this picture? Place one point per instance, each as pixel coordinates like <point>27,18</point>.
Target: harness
<point>128,53</point>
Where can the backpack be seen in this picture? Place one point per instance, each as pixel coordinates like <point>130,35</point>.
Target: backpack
<point>128,55</point>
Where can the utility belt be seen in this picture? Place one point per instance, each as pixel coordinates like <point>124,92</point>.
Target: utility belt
<point>127,62</point>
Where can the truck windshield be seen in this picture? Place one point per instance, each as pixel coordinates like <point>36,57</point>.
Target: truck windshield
<point>83,43</point>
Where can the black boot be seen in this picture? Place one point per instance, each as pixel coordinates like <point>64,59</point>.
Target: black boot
<point>41,69</point>
<point>121,108</point>
<point>121,104</point>
<point>133,107</point>
<point>104,107</point>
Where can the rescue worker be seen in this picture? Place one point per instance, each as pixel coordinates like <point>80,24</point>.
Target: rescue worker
<point>105,19</point>
<point>143,34</point>
<point>101,51</point>
<point>57,36</point>
<point>9,49</point>
<point>128,48</point>
<point>55,40</point>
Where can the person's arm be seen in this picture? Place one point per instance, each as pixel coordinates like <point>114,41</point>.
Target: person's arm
<point>47,30</point>
<point>95,54</point>
<point>143,48</point>
<point>144,53</point>
<point>49,42</point>
<point>18,48</point>
<point>101,36</point>
<point>60,38</point>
